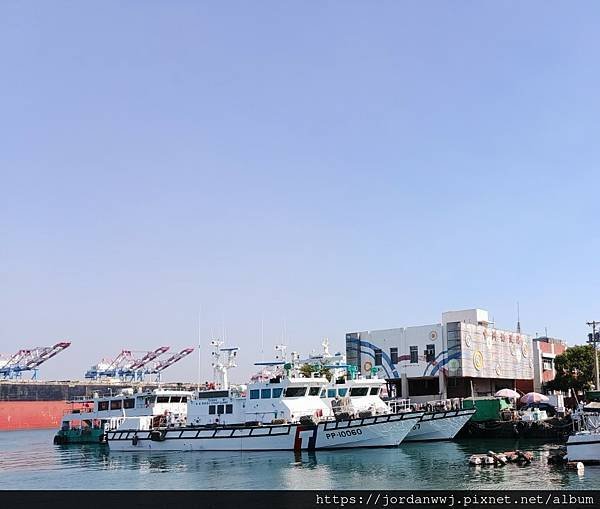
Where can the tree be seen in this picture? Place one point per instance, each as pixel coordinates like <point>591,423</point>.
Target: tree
<point>308,369</point>
<point>574,369</point>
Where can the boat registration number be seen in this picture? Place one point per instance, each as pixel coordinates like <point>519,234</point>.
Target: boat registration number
<point>344,433</point>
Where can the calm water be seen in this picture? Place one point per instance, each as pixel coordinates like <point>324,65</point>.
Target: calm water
<point>28,460</point>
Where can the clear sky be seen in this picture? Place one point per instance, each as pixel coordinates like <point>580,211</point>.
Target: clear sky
<point>334,166</point>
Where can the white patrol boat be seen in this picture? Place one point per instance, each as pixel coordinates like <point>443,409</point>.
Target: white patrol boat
<point>285,412</point>
<point>365,396</point>
<point>89,418</point>
<point>441,423</point>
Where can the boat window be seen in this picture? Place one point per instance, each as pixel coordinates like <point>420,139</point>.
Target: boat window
<point>162,399</point>
<point>314,391</point>
<point>228,409</point>
<point>211,409</point>
<point>331,393</point>
<point>265,393</point>
<point>102,405</point>
<point>116,404</point>
<point>342,391</point>
<point>359,391</point>
<point>394,354</point>
<point>220,409</point>
<point>129,403</point>
<point>323,392</point>
<point>184,399</point>
<point>175,399</point>
<point>277,392</point>
<point>254,394</point>
<point>374,391</point>
<point>295,392</point>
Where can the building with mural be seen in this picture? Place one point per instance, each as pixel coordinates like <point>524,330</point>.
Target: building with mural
<point>463,355</point>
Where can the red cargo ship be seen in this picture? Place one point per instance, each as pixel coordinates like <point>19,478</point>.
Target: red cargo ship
<point>36,405</point>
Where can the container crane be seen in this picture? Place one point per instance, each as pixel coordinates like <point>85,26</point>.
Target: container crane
<point>160,366</point>
<point>126,366</point>
<point>29,359</point>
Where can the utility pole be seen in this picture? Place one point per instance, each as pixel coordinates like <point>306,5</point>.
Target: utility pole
<point>593,338</point>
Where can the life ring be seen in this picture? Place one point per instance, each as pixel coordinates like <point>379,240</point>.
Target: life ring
<point>433,335</point>
<point>367,366</point>
<point>498,370</point>
<point>525,349</point>
<point>468,341</point>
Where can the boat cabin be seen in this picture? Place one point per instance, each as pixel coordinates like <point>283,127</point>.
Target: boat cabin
<point>100,412</point>
<point>277,400</point>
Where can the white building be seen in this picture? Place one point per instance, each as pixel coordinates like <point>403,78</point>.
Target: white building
<point>459,357</point>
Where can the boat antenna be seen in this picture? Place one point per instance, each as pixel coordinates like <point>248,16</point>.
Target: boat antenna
<point>223,328</point>
<point>199,343</point>
<point>518,319</point>
<point>262,338</point>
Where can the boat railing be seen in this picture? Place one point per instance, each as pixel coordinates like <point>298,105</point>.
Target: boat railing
<point>399,405</point>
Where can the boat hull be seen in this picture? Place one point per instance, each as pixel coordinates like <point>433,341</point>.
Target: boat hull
<point>584,448</point>
<point>380,431</point>
<point>15,415</point>
<point>79,436</point>
<point>439,425</point>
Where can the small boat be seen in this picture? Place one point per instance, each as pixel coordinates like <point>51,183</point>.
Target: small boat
<point>584,445</point>
<point>90,418</point>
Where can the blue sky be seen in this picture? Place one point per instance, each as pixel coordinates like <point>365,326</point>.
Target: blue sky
<point>334,166</point>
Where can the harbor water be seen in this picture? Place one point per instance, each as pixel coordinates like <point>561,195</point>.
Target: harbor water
<point>29,460</point>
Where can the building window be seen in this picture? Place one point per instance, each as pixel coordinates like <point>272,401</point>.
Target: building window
<point>254,394</point>
<point>414,354</point>
<point>547,364</point>
<point>394,355</point>
<point>265,394</point>
<point>378,357</point>
<point>430,353</point>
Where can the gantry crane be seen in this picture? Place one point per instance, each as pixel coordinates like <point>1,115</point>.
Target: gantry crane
<point>29,359</point>
<point>126,366</point>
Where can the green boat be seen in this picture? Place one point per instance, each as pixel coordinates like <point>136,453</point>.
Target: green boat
<point>86,434</point>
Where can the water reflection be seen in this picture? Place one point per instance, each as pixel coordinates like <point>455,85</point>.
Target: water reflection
<point>415,465</point>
